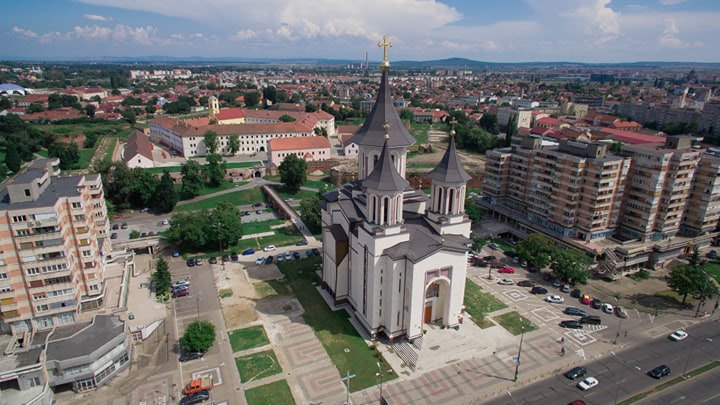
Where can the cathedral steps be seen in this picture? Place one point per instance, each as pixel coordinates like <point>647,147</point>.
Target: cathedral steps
<point>406,352</point>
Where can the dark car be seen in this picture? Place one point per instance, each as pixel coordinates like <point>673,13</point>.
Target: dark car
<point>538,290</point>
<point>596,303</point>
<point>269,260</point>
<point>571,324</point>
<point>113,235</point>
<point>187,356</point>
<point>301,243</point>
<point>296,254</point>
<point>659,372</point>
<point>181,293</point>
<point>257,205</point>
<point>190,262</point>
<point>525,283</point>
<point>180,288</point>
<point>196,398</point>
<point>575,311</point>
<point>234,257</point>
<point>226,258</point>
<point>316,252</point>
<point>246,213</point>
<point>576,372</point>
<point>213,260</point>
<point>198,262</point>
<point>248,252</point>
<point>532,269</point>
<point>591,320</point>
<point>490,258</point>
<point>576,293</point>
<point>309,253</point>
<point>115,227</point>
<point>511,255</point>
<point>712,254</point>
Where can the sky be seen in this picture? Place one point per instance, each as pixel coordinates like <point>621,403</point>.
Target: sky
<point>487,30</point>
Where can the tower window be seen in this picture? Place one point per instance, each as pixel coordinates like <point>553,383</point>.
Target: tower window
<point>451,201</point>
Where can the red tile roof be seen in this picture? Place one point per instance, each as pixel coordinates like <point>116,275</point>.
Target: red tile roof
<point>632,138</point>
<point>230,114</point>
<point>299,143</point>
<point>138,144</point>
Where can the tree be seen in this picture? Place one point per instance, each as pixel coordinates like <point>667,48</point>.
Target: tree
<point>234,144</point>
<point>211,142</point>
<point>189,230</point>
<point>310,213</point>
<point>226,224</point>
<point>5,103</point>
<point>293,173</point>
<point>286,118</point>
<point>684,280</point>
<point>536,249</point>
<point>406,114</point>
<point>214,170</point>
<point>473,210</point>
<point>68,153</point>
<point>198,336</point>
<point>166,195</point>
<point>12,158</point>
<point>251,99</point>
<point>143,185</point>
<point>489,123</point>
<point>129,116</point>
<point>134,234</point>
<point>161,277</point>
<point>34,108</point>
<point>511,129</point>
<point>193,179</point>
<point>90,110</point>
<point>570,266</point>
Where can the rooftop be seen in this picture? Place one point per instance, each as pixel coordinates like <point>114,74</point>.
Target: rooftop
<point>300,142</point>
<point>69,342</point>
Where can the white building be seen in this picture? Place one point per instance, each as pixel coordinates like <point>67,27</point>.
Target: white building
<point>310,148</point>
<point>138,151</point>
<point>395,256</point>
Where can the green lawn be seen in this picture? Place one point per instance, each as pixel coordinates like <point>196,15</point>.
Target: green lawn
<point>225,185</point>
<point>301,194</point>
<point>420,131</point>
<point>347,350</point>
<point>85,156</point>
<point>41,152</point>
<point>713,267</point>
<point>243,165</point>
<point>242,197</point>
<point>257,366</point>
<point>421,165</point>
<point>229,165</point>
<point>243,339</point>
<point>111,148</point>
<point>515,323</point>
<point>283,237</point>
<point>250,228</point>
<point>277,393</point>
<point>270,288</point>
<point>103,128</point>
<point>478,303</point>
<point>318,184</point>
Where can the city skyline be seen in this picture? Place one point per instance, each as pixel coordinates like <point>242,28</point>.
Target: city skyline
<point>592,31</point>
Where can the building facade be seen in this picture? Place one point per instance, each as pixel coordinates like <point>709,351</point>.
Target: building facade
<point>54,235</point>
<point>310,148</point>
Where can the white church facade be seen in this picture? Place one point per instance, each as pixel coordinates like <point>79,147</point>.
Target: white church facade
<point>395,256</point>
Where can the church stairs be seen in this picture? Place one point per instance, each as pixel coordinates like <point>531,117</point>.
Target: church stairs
<point>405,351</point>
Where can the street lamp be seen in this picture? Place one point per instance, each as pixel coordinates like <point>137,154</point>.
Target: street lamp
<point>622,371</point>
<point>517,363</point>
<point>381,374</point>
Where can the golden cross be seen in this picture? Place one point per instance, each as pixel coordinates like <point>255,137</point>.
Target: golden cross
<point>385,44</point>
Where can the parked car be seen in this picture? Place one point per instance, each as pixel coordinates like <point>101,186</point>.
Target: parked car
<point>296,254</point>
<point>180,287</point>
<point>124,225</point>
<point>144,234</point>
<point>659,371</point>
<point>301,243</point>
<point>234,257</point>
<point>538,290</point>
<point>309,253</point>
<point>114,235</point>
<point>591,320</point>
<point>571,324</point>
<point>576,372</point>
<point>712,254</point>
<point>213,260</point>
<point>165,222</point>
<point>576,293</point>
<point>620,312</point>
<point>257,205</point>
<point>190,262</point>
<point>490,258</point>
<point>556,283</point>
<point>316,251</point>
<point>248,252</point>
<point>269,260</point>
<point>585,299</point>
<point>588,383</point>
<point>288,256</point>
<point>181,283</point>
<point>596,303</point>
<point>198,262</point>
<point>281,258</point>
<point>532,269</point>
<point>493,246</point>
<point>554,299</point>
<point>225,258</point>
<point>258,212</point>
<point>506,269</point>
<point>524,283</point>
<point>175,253</point>
<point>115,227</point>
<point>187,356</point>
<point>505,281</point>
<point>575,311</point>
<point>269,248</point>
<point>181,293</point>
<point>607,308</point>
<point>678,335</point>
<point>260,260</point>
<point>565,288</point>
<point>196,398</point>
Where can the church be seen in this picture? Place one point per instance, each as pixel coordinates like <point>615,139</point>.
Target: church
<point>396,256</point>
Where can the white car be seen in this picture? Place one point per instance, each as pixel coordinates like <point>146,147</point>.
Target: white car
<point>181,283</point>
<point>554,299</point>
<point>165,222</point>
<point>288,256</point>
<point>506,281</point>
<point>260,260</point>
<point>678,335</point>
<point>269,248</point>
<point>588,383</point>
<point>607,308</point>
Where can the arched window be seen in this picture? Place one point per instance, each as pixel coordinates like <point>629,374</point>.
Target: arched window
<point>372,208</point>
<point>386,210</point>
<point>440,197</point>
<point>451,201</point>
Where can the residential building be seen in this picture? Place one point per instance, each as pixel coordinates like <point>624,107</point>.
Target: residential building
<point>703,206</point>
<point>138,151</point>
<point>524,117</point>
<point>53,237</point>
<point>310,148</point>
<point>345,134</point>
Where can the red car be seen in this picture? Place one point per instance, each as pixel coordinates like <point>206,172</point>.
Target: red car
<point>585,299</point>
<point>181,293</point>
<point>506,269</point>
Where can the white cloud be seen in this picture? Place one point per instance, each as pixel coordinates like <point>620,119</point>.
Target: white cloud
<point>671,2</point>
<point>243,35</point>
<point>669,37</point>
<point>96,17</point>
<point>24,33</point>
<point>90,32</point>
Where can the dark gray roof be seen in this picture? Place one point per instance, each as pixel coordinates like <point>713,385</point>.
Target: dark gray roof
<point>450,170</point>
<point>59,187</point>
<point>384,176</point>
<point>338,233</point>
<point>85,341</point>
<point>424,241</point>
<point>372,132</point>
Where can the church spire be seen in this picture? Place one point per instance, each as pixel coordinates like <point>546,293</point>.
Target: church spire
<point>450,170</point>
<point>385,177</point>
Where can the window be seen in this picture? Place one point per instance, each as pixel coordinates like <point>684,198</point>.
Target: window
<point>44,322</point>
<point>27,192</point>
<point>22,232</point>
<point>3,276</point>
<point>19,218</point>
<point>42,308</point>
<point>33,382</point>
<point>77,205</point>
<point>87,253</point>
<point>32,271</point>
<point>5,288</point>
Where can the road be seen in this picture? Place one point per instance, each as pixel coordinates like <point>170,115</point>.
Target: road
<point>623,374</point>
<point>703,389</point>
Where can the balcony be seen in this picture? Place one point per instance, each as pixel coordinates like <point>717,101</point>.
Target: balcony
<point>37,223</point>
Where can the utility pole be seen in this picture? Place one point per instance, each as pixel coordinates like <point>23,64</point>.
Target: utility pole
<point>347,386</point>
<point>517,363</point>
<point>617,335</point>
<point>381,374</point>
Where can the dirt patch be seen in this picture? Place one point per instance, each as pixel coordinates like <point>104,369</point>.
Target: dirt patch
<point>238,314</point>
<point>263,273</point>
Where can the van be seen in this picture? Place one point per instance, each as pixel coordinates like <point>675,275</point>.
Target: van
<point>591,320</point>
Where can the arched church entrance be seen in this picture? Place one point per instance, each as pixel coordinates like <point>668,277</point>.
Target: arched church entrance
<point>437,297</point>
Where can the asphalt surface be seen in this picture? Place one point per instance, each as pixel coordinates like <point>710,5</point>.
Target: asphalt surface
<point>624,374</point>
<point>703,389</point>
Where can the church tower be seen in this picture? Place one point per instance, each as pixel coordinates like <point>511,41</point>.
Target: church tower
<point>370,138</point>
<point>446,211</point>
<point>213,106</point>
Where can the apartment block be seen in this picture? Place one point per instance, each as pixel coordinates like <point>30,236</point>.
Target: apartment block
<point>571,189</point>
<point>703,208</point>
<point>53,236</point>
<point>658,189</point>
